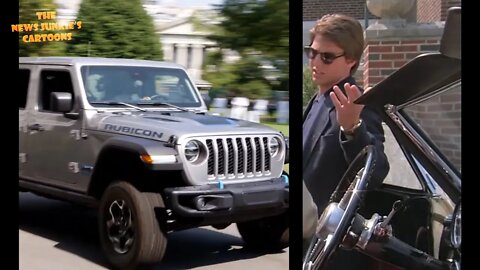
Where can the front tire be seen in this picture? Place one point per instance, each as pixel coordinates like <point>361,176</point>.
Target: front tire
<point>269,234</point>
<point>130,234</point>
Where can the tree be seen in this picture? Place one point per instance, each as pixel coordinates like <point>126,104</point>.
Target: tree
<point>256,27</point>
<point>219,73</point>
<point>253,24</point>
<point>27,15</point>
<point>244,77</point>
<point>309,87</point>
<point>115,28</point>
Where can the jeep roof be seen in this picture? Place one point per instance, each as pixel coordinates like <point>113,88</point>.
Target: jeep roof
<point>61,60</point>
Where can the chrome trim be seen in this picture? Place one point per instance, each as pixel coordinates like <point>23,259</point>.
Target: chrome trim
<point>368,231</point>
<point>329,220</point>
<point>237,157</point>
<point>422,144</point>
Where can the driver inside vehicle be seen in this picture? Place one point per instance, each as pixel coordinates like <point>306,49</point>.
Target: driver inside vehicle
<point>123,90</point>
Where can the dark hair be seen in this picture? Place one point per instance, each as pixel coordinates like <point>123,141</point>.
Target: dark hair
<point>345,31</point>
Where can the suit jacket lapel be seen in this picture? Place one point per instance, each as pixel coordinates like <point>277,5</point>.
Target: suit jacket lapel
<point>309,106</point>
<point>323,121</point>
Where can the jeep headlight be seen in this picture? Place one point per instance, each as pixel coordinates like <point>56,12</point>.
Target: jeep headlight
<point>274,146</point>
<point>192,150</point>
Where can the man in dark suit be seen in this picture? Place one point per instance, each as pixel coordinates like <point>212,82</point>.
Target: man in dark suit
<point>335,129</point>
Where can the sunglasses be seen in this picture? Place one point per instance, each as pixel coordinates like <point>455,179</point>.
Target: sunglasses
<point>326,57</point>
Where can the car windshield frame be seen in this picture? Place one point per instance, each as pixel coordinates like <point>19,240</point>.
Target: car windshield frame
<point>403,110</point>
<point>416,144</point>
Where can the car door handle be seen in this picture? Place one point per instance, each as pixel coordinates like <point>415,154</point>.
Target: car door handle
<point>37,127</point>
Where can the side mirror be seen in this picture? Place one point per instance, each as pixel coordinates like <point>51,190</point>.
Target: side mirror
<point>61,102</point>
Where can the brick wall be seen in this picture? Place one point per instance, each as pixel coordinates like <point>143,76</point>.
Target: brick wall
<point>315,9</point>
<point>440,117</point>
<point>429,10</point>
<point>434,10</point>
<point>382,58</point>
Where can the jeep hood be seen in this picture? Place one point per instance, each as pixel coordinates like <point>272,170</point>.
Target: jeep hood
<point>161,125</point>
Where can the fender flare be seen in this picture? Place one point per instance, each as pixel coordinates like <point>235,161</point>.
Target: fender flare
<point>142,146</point>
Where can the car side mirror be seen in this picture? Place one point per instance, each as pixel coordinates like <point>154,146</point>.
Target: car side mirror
<point>61,102</point>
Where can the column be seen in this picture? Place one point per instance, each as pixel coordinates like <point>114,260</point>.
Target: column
<point>182,54</point>
<point>168,51</point>
<point>196,61</point>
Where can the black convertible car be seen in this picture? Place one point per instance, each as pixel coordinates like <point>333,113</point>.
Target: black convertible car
<point>414,220</point>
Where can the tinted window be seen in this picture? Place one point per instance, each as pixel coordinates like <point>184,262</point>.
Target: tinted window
<point>53,81</point>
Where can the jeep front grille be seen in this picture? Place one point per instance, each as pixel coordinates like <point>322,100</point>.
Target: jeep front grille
<point>231,158</point>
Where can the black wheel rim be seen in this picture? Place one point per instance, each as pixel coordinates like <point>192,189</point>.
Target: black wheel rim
<point>119,226</point>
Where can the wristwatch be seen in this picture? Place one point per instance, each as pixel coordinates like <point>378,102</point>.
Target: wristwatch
<point>351,132</point>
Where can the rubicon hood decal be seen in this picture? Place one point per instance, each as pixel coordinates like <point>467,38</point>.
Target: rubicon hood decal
<point>160,126</point>
<point>132,130</point>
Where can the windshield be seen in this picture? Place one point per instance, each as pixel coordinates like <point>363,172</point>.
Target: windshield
<point>138,86</point>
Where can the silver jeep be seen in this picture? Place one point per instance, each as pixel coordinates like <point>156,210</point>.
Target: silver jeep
<point>133,138</point>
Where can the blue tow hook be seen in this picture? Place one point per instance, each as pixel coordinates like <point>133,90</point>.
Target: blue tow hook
<point>220,184</point>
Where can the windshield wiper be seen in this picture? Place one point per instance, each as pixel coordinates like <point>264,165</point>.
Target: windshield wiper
<point>118,103</point>
<point>155,103</point>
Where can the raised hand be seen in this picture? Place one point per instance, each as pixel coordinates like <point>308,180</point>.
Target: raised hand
<point>348,113</point>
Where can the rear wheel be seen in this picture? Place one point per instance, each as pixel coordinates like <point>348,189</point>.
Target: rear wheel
<point>130,233</point>
<point>268,234</point>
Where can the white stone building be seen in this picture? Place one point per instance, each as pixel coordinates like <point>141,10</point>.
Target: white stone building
<point>185,45</point>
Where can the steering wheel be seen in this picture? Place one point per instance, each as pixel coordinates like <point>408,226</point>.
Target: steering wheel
<point>337,217</point>
<point>158,97</point>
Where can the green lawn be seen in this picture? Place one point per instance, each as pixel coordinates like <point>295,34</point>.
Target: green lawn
<point>282,128</point>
